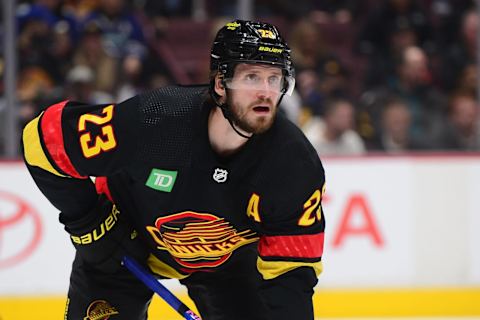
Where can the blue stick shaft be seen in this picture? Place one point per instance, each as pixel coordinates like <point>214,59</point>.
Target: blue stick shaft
<point>150,281</point>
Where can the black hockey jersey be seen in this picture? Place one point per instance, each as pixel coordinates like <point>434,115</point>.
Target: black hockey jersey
<point>199,213</point>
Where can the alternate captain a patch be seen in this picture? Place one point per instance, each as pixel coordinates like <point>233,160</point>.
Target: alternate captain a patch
<point>198,240</point>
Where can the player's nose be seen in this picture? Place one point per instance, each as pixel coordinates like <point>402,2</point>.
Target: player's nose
<point>264,90</point>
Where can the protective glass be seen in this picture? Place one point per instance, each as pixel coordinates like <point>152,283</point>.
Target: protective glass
<point>252,81</point>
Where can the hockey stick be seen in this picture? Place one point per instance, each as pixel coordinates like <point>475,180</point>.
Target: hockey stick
<point>150,281</point>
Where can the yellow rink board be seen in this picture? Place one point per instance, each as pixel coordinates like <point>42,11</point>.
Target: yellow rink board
<point>328,303</point>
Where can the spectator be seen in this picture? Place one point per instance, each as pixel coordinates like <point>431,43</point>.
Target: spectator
<point>334,79</point>
<point>395,133</point>
<point>462,132</point>
<point>122,34</point>
<point>79,9</point>
<point>81,87</point>
<point>308,86</point>
<point>160,13</point>
<point>91,53</point>
<point>46,36</point>
<point>334,133</point>
<point>51,12</point>
<point>461,53</point>
<point>445,18</point>
<point>320,74</point>
<point>54,36</point>
<point>34,43</point>
<point>61,51</point>
<point>412,83</point>
<point>467,81</point>
<point>131,78</point>
<point>317,86</point>
<point>308,45</point>
<point>389,29</point>
<point>34,86</point>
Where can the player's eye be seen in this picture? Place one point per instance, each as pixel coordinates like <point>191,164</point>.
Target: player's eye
<point>251,78</point>
<point>275,81</point>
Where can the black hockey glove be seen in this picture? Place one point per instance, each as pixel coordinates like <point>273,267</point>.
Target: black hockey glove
<point>102,237</point>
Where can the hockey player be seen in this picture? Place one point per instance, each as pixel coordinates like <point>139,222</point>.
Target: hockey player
<point>205,184</point>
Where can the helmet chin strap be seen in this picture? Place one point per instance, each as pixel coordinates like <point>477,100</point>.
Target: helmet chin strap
<point>228,115</point>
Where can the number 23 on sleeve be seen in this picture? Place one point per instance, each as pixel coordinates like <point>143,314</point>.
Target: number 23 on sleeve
<point>312,210</point>
<point>93,146</point>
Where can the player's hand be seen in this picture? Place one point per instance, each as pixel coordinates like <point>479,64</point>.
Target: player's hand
<point>102,237</point>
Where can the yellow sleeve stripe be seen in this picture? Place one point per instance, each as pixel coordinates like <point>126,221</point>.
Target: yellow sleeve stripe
<point>33,151</point>
<point>272,269</point>
<point>160,268</point>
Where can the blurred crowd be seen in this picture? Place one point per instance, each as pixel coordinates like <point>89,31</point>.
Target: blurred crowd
<point>375,75</point>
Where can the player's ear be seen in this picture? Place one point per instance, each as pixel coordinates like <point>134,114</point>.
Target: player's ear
<point>219,86</point>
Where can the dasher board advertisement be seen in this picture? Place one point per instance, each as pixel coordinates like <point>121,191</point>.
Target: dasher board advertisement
<point>391,222</point>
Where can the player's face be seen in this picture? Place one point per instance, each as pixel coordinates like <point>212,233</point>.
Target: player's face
<point>253,96</point>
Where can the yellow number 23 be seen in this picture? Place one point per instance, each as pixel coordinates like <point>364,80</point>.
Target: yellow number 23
<point>104,142</point>
<point>312,210</point>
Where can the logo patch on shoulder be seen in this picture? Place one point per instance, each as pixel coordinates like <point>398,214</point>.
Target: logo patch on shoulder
<point>161,180</point>
<point>100,310</point>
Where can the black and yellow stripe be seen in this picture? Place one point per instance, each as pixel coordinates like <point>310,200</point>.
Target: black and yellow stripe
<point>272,269</point>
<point>33,149</point>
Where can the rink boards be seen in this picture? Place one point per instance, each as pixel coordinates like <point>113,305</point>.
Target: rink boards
<point>402,239</point>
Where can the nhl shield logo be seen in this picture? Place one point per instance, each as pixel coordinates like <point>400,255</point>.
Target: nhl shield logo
<point>220,175</point>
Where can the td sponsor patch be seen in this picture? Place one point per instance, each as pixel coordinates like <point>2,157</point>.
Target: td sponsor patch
<point>161,180</point>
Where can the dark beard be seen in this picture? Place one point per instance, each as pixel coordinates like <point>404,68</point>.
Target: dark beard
<point>253,128</point>
<point>258,127</point>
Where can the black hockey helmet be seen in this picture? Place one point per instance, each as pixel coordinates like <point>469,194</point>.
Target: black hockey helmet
<point>251,42</point>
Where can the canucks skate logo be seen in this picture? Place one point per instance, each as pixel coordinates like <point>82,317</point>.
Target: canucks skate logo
<point>100,310</point>
<point>198,240</point>
<point>220,175</point>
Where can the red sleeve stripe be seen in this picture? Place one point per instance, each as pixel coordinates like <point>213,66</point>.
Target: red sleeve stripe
<point>294,246</point>
<point>51,127</point>
<point>101,185</point>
